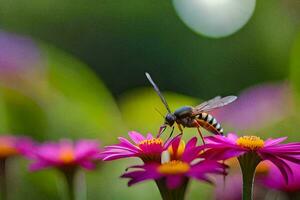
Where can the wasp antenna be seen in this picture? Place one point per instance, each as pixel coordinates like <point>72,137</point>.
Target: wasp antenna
<point>162,98</point>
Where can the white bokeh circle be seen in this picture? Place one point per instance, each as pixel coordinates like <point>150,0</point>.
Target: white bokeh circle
<point>215,18</point>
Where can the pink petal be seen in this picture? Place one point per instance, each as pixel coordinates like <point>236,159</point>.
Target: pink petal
<point>87,165</point>
<point>120,147</point>
<point>191,143</point>
<point>284,168</point>
<point>136,137</point>
<point>271,142</point>
<point>38,166</point>
<point>117,156</point>
<point>149,136</point>
<point>126,143</point>
<point>232,137</point>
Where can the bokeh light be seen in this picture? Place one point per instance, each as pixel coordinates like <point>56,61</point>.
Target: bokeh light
<point>215,18</point>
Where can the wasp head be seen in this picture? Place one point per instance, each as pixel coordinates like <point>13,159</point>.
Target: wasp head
<point>170,119</point>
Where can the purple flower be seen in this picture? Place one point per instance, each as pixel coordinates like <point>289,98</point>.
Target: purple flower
<point>258,107</point>
<point>66,154</point>
<point>174,172</point>
<point>273,178</point>
<point>221,148</point>
<point>181,165</point>
<point>12,145</point>
<point>147,148</point>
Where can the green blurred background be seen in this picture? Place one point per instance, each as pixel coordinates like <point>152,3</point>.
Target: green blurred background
<point>87,79</point>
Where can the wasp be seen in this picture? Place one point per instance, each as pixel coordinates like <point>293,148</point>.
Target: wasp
<point>193,117</point>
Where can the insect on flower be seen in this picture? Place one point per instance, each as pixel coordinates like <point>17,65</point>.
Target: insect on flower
<point>193,117</point>
<point>148,148</point>
<point>178,165</point>
<point>222,148</point>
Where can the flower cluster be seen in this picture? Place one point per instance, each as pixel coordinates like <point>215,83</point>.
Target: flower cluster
<point>12,146</point>
<point>65,155</point>
<point>171,164</point>
<point>222,148</point>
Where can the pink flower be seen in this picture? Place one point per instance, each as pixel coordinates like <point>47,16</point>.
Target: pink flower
<point>178,168</point>
<point>174,172</point>
<point>12,145</point>
<point>66,154</point>
<point>221,148</point>
<point>147,148</point>
<point>272,178</point>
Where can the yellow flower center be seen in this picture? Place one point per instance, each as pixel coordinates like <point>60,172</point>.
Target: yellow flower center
<point>250,142</point>
<point>174,167</point>
<point>180,150</point>
<point>153,141</point>
<point>67,156</point>
<point>7,150</point>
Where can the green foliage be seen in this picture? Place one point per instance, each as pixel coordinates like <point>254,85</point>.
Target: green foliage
<point>140,108</point>
<point>69,101</point>
<point>78,103</point>
<point>295,66</point>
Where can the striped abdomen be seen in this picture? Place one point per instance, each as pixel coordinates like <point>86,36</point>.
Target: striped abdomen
<point>210,123</point>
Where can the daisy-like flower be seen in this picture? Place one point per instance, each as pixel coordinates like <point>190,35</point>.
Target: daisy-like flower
<point>67,157</point>
<point>272,178</point>
<point>173,174</point>
<point>147,148</point>
<point>66,154</point>
<point>250,151</point>
<point>12,146</point>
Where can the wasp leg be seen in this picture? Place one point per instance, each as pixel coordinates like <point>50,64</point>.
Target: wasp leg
<point>180,128</point>
<point>199,131</point>
<point>161,130</point>
<point>171,133</point>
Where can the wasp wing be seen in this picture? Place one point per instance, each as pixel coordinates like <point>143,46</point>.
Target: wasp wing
<point>214,103</point>
<point>158,92</point>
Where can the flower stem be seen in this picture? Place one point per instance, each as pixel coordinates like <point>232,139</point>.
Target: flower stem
<point>3,184</point>
<point>248,163</point>
<point>172,194</point>
<point>70,176</point>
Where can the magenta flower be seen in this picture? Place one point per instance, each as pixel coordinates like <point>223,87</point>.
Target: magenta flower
<point>222,148</point>
<point>250,151</point>
<point>147,148</point>
<point>273,178</point>
<point>66,154</point>
<point>67,157</point>
<point>173,174</point>
<point>12,145</point>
